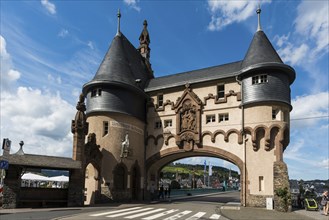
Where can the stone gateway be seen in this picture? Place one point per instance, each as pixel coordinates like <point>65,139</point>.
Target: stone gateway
<point>137,123</point>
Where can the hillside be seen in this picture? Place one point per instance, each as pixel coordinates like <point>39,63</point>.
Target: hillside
<point>184,170</point>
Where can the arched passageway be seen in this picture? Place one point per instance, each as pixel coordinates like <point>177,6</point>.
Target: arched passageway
<point>157,162</point>
<point>91,184</point>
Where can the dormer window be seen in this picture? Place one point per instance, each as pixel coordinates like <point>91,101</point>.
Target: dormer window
<point>96,92</point>
<point>259,79</point>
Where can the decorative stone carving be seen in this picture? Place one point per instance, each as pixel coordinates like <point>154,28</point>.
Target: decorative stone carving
<point>125,147</point>
<point>79,124</point>
<point>188,114</point>
<point>222,100</point>
<point>188,117</point>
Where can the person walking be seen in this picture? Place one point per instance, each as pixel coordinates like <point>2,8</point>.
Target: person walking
<point>325,202</point>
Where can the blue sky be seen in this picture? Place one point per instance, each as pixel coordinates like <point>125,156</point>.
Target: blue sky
<point>49,49</point>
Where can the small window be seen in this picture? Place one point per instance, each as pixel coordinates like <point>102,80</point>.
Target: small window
<point>210,118</point>
<point>168,123</point>
<point>259,79</point>
<point>158,124</point>
<point>160,100</point>
<point>220,91</point>
<point>223,117</point>
<point>105,128</point>
<point>261,183</point>
<point>276,114</point>
<point>96,92</point>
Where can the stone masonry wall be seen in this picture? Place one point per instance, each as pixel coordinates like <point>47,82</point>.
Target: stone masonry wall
<point>281,183</point>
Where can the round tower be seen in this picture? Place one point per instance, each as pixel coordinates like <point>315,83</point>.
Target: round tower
<point>115,111</point>
<point>265,87</point>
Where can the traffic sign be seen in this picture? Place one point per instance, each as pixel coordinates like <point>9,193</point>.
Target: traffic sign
<point>4,164</point>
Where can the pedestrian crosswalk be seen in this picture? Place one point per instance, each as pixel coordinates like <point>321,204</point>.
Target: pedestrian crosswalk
<point>150,213</point>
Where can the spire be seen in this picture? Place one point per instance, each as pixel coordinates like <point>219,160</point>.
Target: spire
<point>144,49</point>
<point>144,41</point>
<point>119,16</point>
<point>258,11</point>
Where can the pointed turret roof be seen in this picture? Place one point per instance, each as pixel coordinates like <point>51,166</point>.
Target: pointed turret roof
<point>122,65</point>
<point>260,51</point>
<point>261,54</point>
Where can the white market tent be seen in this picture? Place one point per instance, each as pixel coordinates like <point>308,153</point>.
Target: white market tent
<point>61,178</point>
<point>32,176</point>
<point>34,180</point>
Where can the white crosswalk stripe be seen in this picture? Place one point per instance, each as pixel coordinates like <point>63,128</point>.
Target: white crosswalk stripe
<point>179,215</point>
<point>155,214</point>
<point>144,213</point>
<point>161,214</point>
<point>127,213</point>
<point>116,211</point>
<point>214,216</point>
<point>196,216</point>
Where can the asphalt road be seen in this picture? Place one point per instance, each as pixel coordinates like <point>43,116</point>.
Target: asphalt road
<point>202,207</point>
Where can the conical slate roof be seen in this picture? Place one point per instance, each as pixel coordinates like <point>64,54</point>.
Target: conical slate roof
<point>122,65</point>
<point>260,51</point>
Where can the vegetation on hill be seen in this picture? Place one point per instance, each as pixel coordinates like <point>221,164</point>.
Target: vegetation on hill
<point>185,170</point>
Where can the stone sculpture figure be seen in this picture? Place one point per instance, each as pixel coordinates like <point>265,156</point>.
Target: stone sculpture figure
<point>125,147</point>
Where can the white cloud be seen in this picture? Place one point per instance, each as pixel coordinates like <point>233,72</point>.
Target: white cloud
<point>324,163</point>
<point>63,33</point>
<point>224,13</point>
<point>293,54</point>
<point>51,7</point>
<point>133,4</point>
<point>40,119</point>
<point>91,45</point>
<point>309,135</point>
<point>308,106</point>
<point>308,42</point>
<point>312,22</point>
<point>8,74</point>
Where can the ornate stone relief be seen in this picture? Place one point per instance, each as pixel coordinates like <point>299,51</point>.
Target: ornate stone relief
<point>188,114</point>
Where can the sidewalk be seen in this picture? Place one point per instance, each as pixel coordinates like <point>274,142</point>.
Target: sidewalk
<point>264,214</point>
<point>235,211</point>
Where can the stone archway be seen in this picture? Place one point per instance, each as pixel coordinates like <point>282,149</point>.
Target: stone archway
<point>155,163</point>
<point>91,184</point>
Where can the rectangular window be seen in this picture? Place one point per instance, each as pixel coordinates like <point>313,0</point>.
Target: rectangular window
<point>259,79</point>
<point>96,92</point>
<point>160,100</point>
<point>168,123</point>
<point>223,117</point>
<point>210,118</point>
<point>105,128</point>
<point>274,112</point>
<point>220,91</point>
<point>261,183</point>
<point>158,124</point>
